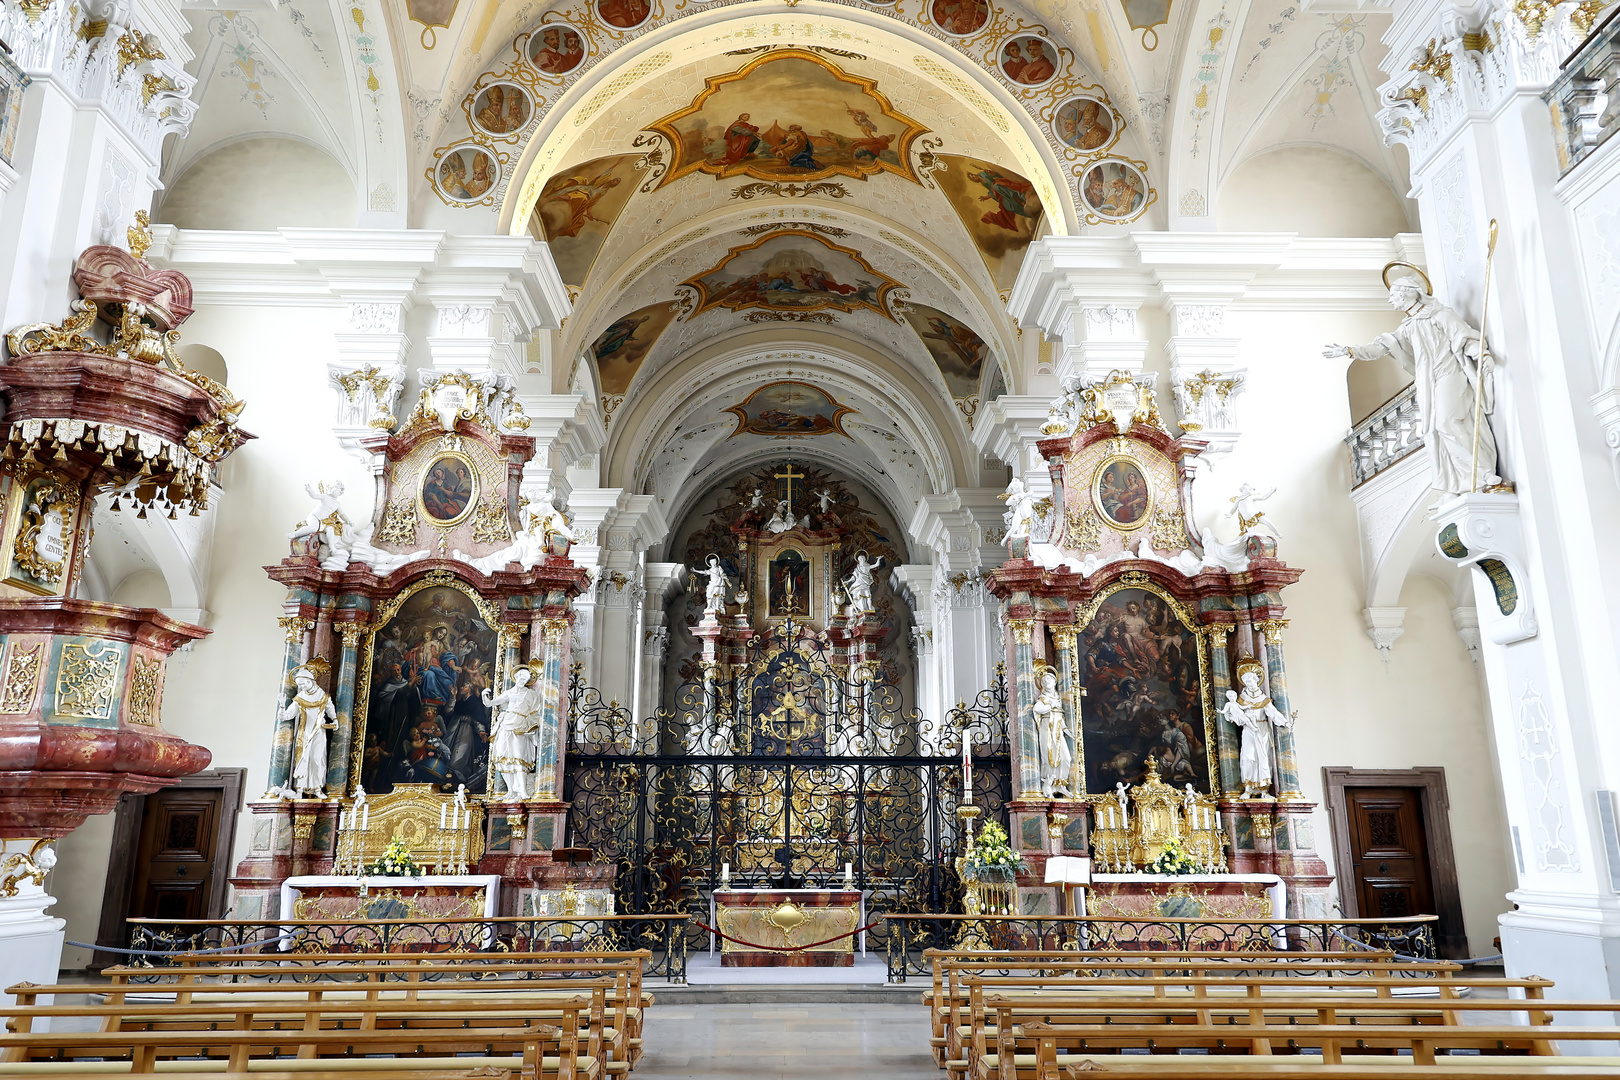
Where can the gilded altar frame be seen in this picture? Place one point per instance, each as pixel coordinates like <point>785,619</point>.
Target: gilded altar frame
<point>437,579</point>
<point>1135,579</point>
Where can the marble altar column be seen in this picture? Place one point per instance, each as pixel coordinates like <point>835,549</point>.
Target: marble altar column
<point>1228,747</point>
<point>1277,683</point>
<point>295,653</point>
<point>1023,704</point>
<point>337,768</point>
<point>553,708</point>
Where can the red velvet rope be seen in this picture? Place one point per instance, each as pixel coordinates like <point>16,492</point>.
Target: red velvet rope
<point>781,948</point>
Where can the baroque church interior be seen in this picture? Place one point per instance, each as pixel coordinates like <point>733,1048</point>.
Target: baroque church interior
<point>739,493</point>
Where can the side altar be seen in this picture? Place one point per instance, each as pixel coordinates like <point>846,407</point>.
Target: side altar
<point>426,663</point>
<point>1149,703</point>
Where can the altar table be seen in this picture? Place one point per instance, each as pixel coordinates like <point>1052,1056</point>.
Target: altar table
<point>816,914</point>
<point>429,897</point>
<point>1256,897</point>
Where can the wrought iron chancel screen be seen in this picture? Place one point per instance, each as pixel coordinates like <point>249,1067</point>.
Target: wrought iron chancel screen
<point>782,767</point>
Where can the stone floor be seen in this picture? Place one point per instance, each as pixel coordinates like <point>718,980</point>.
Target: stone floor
<point>787,1042</point>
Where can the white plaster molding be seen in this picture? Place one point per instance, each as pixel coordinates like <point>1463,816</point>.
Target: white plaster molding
<point>1384,625</point>
<point>1393,523</point>
<point>1466,621</point>
<point>1484,531</point>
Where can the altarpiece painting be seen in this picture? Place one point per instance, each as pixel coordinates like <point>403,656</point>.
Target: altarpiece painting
<point>1147,692</point>
<point>429,662</point>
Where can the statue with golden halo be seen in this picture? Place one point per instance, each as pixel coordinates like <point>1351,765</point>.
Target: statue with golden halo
<point>313,715</point>
<point>1453,375</point>
<point>1250,708</point>
<point>1052,731</point>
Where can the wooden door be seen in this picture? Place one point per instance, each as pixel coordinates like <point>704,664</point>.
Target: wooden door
<point>1389,855</point>
<point>175,857</point>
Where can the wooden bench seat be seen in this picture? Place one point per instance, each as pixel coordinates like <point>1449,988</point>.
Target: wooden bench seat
<point>1187,1067</point>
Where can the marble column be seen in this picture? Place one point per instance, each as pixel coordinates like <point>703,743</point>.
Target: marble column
<point>1277,684</point>
<point>553,709</point>
<point>1024,694</point>
<point>1228,746</point>
<point>295,653</point>
<point>343,691</point>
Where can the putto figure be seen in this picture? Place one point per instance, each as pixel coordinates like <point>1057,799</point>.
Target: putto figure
<point>1442,354</point>
<point>512,746</point>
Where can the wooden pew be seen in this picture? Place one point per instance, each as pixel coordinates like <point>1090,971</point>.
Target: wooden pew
<point>365,1006</point>
<point>1185,1067</point>
<point>952,1020</point>
<point>521,1048</point>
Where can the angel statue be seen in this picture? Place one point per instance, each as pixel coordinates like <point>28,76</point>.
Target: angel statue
<point>313,715</point>
<point>1052,730</point>
<point>512,746</point>
<point>783,519</point>
<point>382,563</point>
<point>824,501</point>
<point>1020,513</point>
<point>714,593</point>
<point>550,523</point>
<point>1442,353</point>
<point>859,583</point>
<point>326,521</point>
<point>1251,710</point>
<point>1252,522</point>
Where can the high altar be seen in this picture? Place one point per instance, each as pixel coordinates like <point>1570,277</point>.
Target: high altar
<point>1150,700</point>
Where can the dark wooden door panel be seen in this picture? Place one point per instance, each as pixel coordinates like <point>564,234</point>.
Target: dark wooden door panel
<point>1390,858</point>
<point>174,859</point>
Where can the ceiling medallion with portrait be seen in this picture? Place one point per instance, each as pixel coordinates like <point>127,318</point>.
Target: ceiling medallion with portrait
<point>789,115</point>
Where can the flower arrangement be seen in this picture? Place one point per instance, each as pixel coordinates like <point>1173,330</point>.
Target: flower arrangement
<point>993,859</point>
<point>1172,860</point>
<point>395,861</point>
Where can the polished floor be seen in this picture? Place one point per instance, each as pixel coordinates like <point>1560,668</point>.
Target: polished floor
<point>787,1042</point>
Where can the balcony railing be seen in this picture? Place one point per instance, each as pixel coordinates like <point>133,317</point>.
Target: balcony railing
<point>1386,436</point>
<point>1585,98</point>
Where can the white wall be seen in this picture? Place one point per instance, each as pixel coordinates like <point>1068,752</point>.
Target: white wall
<point>261,184</point>
<point>1310,190</point>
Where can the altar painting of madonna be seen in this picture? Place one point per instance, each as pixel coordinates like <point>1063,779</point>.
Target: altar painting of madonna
<point>1140,666</point>
<point>426,722</point>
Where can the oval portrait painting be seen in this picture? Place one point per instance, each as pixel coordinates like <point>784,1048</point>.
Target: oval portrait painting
<point>1121,494</point>
<point>1083,123</point>
<point>960,17</point>
<point>466,174</point>
<point>1029,60</point>
<point>1114,189</point>
<point>624,14</point>
<point>556,49</point>
<point>501,109</point>
<point>449,489</point>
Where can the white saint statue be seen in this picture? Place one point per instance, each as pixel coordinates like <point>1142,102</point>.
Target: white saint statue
<point>512,746</point>
<point>1052,729</point>
<point>1442,353</point>
<point>313,716</point>
<point>714,593</point>
<point>783,519</point>
<point>1250,709</point>
<point>859,584</point>
<point>1020,510</point>
<point>1252,522</point>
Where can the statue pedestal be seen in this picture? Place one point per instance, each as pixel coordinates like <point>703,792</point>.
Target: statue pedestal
<point>30,940</point>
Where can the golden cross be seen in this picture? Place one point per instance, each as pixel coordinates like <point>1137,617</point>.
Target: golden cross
<point>789,476</point>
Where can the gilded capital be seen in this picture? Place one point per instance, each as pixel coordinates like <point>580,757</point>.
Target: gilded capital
<point>1217,636</point>
<point>296,627</point>
<point>350,633</point>
<point>1023,630</point>
<point>1273,629</point>
<point>1064,635</point>
<point>554,629</point>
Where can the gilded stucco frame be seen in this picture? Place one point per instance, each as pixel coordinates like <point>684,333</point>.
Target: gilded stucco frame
<point>1135,579</point>
<point>437,579</point>
<point>1096,493</point>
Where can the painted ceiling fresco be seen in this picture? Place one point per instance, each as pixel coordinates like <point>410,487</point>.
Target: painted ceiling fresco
<point>789,115</point>
<point>792,270</point>
<point>787,408</point>
<point>622,347</point>
<point>999,209</point>
<point>956,348</point>
<point>577,209</point>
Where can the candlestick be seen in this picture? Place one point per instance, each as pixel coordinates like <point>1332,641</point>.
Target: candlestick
<point>441,817</point>
<point>365,822</point>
